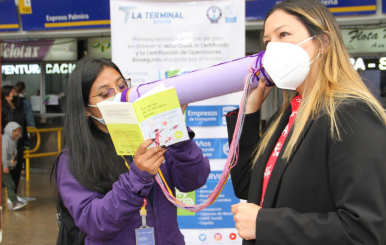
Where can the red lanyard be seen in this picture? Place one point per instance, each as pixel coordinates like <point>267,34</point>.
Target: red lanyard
<point>295,104</point>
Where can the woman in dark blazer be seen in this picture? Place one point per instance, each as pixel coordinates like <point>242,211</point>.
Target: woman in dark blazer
<point>318,174</point>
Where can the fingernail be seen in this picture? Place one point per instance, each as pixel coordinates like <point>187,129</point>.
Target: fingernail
<point>163,147</point>
<point>263,80</point>
<point>153,139</point>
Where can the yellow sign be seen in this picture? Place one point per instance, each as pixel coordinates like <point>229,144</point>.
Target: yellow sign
<point>25,7</point>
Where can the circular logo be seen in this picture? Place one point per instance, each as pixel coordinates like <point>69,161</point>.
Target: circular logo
<point>232,236</point>
<point>202,237</point>
<point>103,46</point>
<point>225,148</point>
<point>214,13</point>
<point>217,237</point>
<point>178,135</point>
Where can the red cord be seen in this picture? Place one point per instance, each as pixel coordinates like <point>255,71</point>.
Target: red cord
<point>144,202</point>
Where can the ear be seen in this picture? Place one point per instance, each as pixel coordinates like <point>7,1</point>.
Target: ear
<point>88,113</point>
<point>326,40</point>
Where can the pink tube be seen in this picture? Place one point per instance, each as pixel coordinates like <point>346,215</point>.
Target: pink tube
<point>221,79</point>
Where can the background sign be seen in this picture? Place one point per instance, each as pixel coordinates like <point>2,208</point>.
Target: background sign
<point>69,14</point>
<point>258,9</point>
<point>41,50</point>
<point>365,40</point>
<point>213,224</point>
<point>207,116</point>
<point>157,40</point>
<point>8,16</point>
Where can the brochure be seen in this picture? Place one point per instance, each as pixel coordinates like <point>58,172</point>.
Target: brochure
<point>155,115</point>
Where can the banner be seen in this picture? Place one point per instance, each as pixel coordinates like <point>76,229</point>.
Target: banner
<point>365,40</point>
<point>258,9</point>
<point>157,40</point>
<point>8,16</point>
<point>40,50</point>
<point>70,14</point>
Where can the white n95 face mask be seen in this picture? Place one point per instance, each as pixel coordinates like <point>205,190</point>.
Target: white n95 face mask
<point>287,64</point>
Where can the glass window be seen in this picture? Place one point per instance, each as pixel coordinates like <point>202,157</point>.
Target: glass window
<point>27,73</point>
<point>56,76</point>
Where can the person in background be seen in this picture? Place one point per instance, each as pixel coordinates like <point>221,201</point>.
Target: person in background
<point>28,113</point>
<point>317,175</point>
<point>27,107</point>
<point>12,111</point>
<point>12,132</point>
<point>104,192</point>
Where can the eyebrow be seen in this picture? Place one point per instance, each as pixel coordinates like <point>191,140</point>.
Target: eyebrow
<point>276,29</point>
<point>103,86</point>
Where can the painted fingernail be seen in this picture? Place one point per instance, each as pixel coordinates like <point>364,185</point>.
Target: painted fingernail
<point>153,139</point>
<point>163,147</point>
<point>263,80</point>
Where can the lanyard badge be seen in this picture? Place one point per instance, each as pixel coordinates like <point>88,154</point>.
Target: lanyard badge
<point>144,235</point>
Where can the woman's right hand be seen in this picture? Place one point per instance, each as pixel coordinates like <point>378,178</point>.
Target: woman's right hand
<point>258,96</point>
<point>6,170</point>
<point>149,160</point>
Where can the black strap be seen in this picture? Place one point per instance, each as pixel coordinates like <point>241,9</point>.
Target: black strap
<point>77,236</point>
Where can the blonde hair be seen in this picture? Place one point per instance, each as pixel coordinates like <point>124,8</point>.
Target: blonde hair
<point>336,82</point>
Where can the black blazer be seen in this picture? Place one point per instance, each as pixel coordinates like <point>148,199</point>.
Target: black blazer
<point>329,192</point>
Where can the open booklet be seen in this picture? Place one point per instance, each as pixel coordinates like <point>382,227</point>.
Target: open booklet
<point>155,115</point>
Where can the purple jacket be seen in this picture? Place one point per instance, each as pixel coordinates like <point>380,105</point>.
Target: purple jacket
<point>112,218</point>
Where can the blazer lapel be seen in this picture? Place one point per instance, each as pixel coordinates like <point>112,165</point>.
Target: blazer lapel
<point>256,184</point>
<point>280,167</point>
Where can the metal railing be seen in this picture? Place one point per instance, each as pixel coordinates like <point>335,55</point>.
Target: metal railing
<point>29,153</point>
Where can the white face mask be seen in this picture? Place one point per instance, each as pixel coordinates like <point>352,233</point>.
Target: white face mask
<point>116,98</point>
<point>287,64</point>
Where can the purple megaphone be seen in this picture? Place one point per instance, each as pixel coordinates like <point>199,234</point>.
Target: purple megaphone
<point>221,79</point>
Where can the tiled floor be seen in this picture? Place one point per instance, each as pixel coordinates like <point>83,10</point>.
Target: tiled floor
<point>34,224</point>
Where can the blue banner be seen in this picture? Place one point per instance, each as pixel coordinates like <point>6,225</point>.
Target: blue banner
<point>213,148</point>
<point>258,9</point>
<point>69,14</point>
<point>384,6</point>
<point>207,116</point>
<point>8,16</point>
<point>218,215</point>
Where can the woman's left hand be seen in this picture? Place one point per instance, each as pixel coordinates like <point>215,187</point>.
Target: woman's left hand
<point>245,215</point>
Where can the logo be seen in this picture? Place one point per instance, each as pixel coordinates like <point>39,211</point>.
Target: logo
<point>225,148</point>
<point>214,13</point>
<point>230,14</point>
<point>232,236</point>
<point>202,237</point>
<point>126,11</point>
<point>184,197</point>
<point>104,45</point>
<point>217,237</point>
<point>178,135</point>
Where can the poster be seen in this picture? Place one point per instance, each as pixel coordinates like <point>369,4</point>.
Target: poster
<point>153,40</point>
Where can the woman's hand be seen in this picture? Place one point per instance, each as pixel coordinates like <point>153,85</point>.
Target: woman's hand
<point>149,160</point>
<point>258,96</point>
<point>245,215</point>
<point>6,170</point>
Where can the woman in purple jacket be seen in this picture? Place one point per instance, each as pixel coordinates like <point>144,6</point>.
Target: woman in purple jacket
<point>99,191</point>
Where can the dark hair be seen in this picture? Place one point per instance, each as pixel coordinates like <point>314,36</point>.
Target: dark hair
<point>314,8</point>
<point>93,160</point>
<point>5,91</point>
<point>20,86</point>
